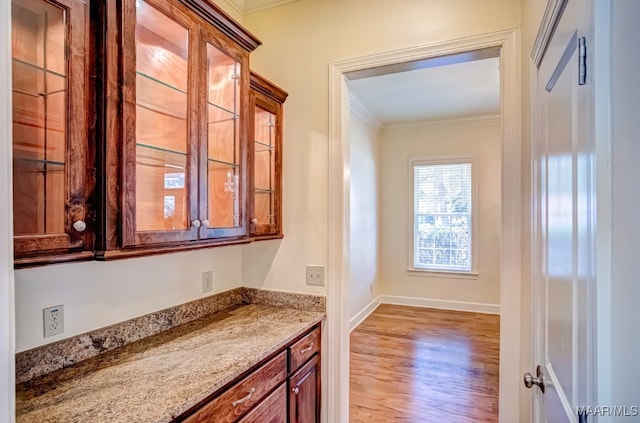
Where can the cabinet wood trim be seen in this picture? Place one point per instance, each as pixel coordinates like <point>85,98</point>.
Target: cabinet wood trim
<point>267,88</point>
<point>223,22</point>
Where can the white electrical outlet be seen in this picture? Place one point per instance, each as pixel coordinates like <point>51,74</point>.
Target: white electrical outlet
<point>315,275</point>
<point>53,319</point>
<point>207,281</point>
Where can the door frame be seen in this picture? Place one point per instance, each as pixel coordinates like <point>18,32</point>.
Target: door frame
<point>511,214</point>
<point>7,327</point>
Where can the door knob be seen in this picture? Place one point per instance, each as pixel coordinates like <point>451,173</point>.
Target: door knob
<point>529,380</point>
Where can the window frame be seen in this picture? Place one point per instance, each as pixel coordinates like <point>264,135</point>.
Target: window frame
<point>433,161</point>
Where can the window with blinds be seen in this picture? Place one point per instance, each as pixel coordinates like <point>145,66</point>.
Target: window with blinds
<point>442,215</point>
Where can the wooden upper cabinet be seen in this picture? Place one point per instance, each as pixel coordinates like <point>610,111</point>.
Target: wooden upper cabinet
<point>265,203</point>
<point>51,170</point>
<point>176,138</point>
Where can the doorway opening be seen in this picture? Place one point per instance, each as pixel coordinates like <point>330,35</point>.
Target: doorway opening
<point>340,222</point>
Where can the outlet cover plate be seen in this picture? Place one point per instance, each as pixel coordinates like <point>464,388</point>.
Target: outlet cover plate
<point>315,275</point>
<point>53,320</point>
<point>207,281</point>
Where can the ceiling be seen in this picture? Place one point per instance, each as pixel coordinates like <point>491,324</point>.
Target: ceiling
<point>450,91</point>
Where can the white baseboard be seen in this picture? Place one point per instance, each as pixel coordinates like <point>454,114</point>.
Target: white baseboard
<point>440,304</point>
<point>364,313</point>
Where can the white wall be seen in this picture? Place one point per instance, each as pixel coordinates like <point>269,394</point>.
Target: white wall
<point>97,294</point>
<point>300,39</point>
<point>7,340</point>
<point>480,138</point>
<point>364,251</point>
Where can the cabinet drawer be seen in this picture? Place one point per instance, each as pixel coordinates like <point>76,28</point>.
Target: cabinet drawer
<point>304,349</point>
<point>272,410</point>
<point>241,397</point>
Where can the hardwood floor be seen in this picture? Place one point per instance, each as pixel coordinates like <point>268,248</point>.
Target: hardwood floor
<point>411,364</point>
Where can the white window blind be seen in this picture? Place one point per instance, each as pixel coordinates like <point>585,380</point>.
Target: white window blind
<point>442,232</point>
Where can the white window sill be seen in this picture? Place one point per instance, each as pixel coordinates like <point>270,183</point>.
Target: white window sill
<point>442,274</point>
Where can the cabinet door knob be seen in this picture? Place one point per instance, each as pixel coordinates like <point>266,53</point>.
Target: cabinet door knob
<point>254,220</point>
<point>79,225</point>
<point>205,223</point>
<point>195,223</point>
<point>296,390</point>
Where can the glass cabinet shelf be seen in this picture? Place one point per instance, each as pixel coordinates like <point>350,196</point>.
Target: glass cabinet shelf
<point>261,147</point>
<point>222,162</point>
<point>164,150</point>
<point>40,161</point>
<point>160,97</point>
<point>37,67</point>
<point>151,78</point>
<point>263,190</point>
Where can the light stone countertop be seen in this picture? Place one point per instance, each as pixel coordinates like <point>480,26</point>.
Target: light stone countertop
<point>158,378</point>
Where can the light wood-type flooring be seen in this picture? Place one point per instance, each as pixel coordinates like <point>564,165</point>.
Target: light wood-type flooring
<point>422,365</point>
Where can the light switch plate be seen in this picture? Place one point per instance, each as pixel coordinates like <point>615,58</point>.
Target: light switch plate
<point>315,275</point>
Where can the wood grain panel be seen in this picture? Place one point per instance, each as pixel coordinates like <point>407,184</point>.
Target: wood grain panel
<point>424,365</point>
<point>304,349</point>
<point>240,398</point>
<point>272,410</point>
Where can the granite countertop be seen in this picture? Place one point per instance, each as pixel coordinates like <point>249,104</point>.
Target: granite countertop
<point>158,378</point>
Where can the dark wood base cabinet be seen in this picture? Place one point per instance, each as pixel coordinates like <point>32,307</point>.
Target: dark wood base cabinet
<point>304,387</point>
<point>284,388</point>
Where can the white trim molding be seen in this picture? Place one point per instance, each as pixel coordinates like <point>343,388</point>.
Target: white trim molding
<point>548,26</point>
<point>7,313</point>
<point>441,304</point>
<point>510,249</point>
<point>364,313</point>
<point>421,302</point>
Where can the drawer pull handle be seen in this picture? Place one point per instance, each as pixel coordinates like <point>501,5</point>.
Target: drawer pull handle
<point>307,349</point>
<point>245,399</point>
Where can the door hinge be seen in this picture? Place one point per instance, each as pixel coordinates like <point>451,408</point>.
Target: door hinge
<point>582,66</point>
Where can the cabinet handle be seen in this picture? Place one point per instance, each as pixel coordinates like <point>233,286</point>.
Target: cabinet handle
<point>245,399</point>
<point>195,223</point>
<point>296,390</point>
<point>79,225</point>
<point>254,220</point>
<point>205,223</point>
<point>307,349</point>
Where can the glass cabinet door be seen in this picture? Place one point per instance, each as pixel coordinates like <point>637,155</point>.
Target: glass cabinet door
<point>266,154</point>
<point>222,163</point>
<point>164,170</point>
<point>49,130</point>
<point>264,169</point>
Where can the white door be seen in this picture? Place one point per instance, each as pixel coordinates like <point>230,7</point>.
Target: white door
<point>564,226</point>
